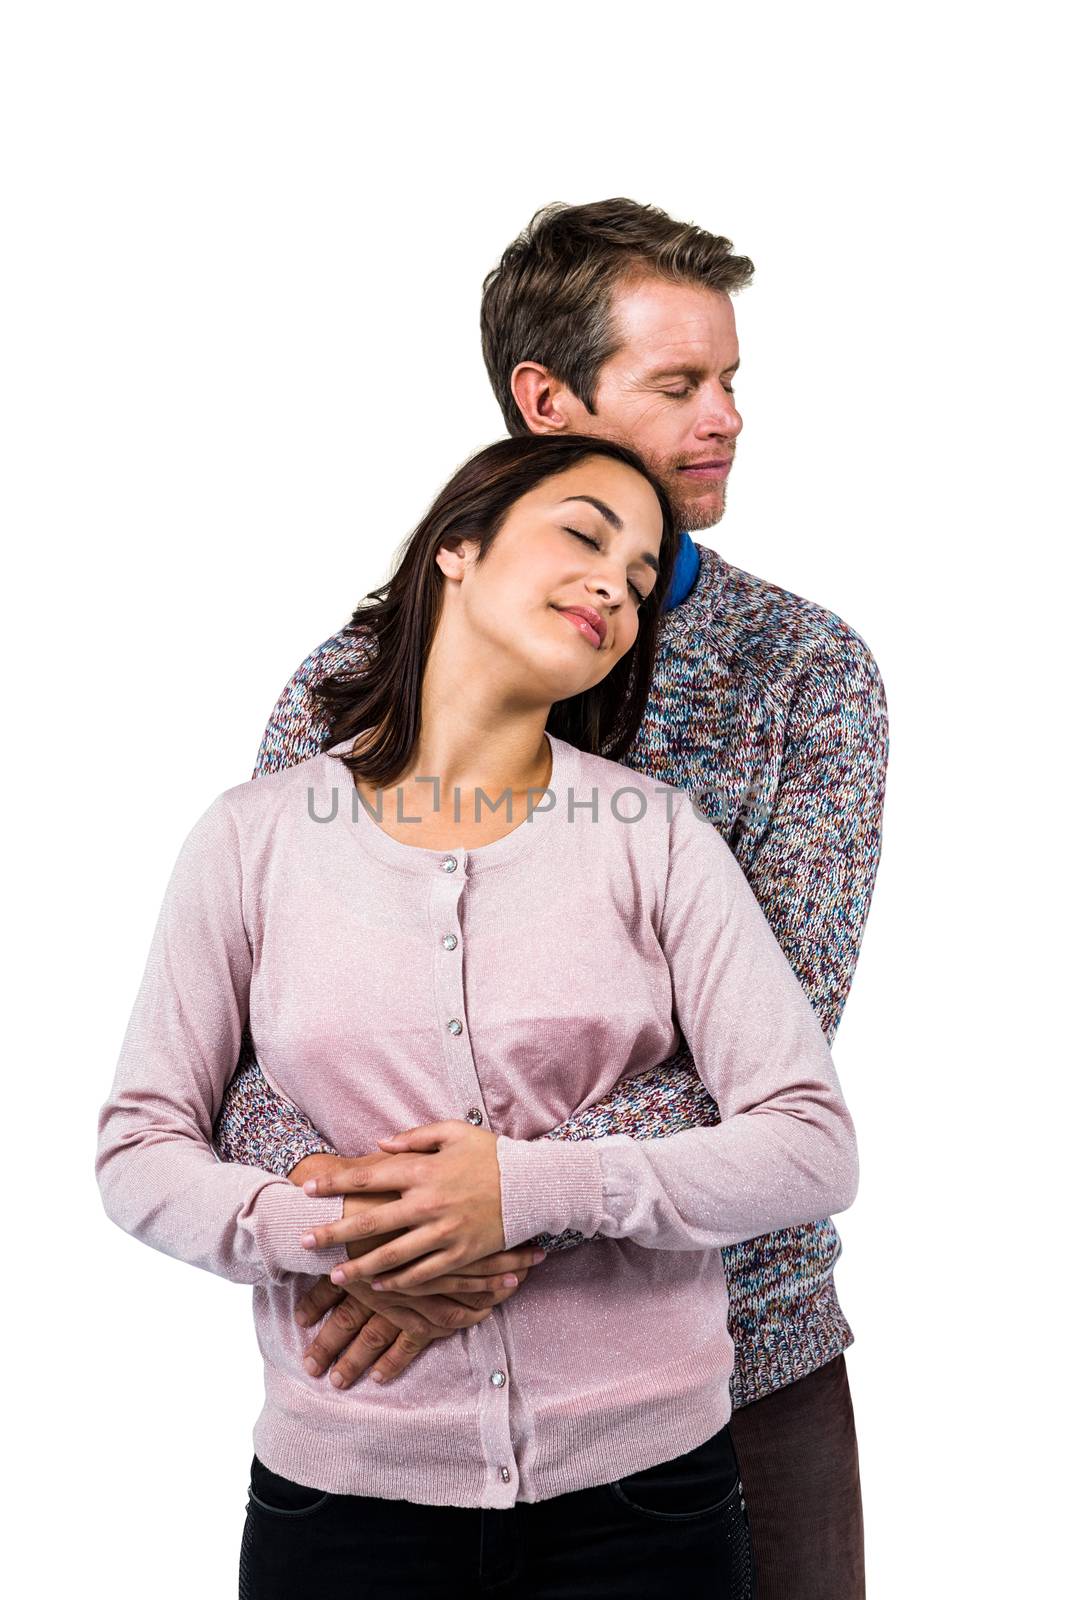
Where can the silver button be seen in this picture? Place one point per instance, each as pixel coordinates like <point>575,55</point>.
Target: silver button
<point>449,864</point>
<point>450,941</point>
<point>474,1117</point>
<point>505,1474</point>
<point>497,1379</point>
<point>454,1025</point>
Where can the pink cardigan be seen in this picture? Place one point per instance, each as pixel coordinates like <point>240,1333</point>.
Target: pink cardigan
<point>389,985</point>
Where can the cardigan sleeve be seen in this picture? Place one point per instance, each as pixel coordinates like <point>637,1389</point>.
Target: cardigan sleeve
<point>158,1176</point>
<point>785,1150</point>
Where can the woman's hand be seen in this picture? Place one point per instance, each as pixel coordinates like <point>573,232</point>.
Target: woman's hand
<point>357,1337</point>
<point>449,1212</point>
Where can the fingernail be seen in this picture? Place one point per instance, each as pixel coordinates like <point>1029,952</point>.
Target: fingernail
<point>379,1377</point>
<point>311,1187</point>
<point>311,1365</point>
<point>308,1241</point>
<point>338,1276</point>
<point>377,1283</point>
<point>337,1380</point>
<point>539,1256</point>
<point>302,1318</point>
<point>511,1280</point>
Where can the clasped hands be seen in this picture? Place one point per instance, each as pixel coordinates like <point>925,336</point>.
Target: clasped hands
<point>448,1179</point>
<point>416,1214</point>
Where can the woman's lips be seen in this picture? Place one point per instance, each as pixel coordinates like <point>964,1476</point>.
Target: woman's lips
<point>709,471</point>
<point>584,628</point>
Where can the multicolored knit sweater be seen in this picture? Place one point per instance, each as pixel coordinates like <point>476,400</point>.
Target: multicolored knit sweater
<point>770,712</point>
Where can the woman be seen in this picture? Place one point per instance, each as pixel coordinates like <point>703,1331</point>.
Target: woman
<point>451,988</point>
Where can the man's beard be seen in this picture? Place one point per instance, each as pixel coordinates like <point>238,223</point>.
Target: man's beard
<point>690,516</point>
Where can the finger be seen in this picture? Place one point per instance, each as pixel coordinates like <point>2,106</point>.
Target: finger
<point>350,1178</point>
<point>313,1305</point>
<point>494,1297</point>
<point>443,1314</point>
<point>360,1224</point>
<point>375,1338</point>
<point>526,1255</point>
<point>454,1284</point>
<point>429,1137</point>
<point>410,1247</point>
<point>344,1324</point>
<point>399,1356</point>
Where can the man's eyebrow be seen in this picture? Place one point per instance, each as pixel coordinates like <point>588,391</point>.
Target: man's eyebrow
<point>614,519</point>
<point>681,371</point>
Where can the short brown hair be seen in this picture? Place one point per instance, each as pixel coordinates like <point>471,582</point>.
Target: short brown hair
<point>550,297</point>
<point>393,627</point>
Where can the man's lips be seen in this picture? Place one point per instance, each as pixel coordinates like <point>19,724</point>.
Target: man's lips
<point>588,622</point>
<point>714,470</point>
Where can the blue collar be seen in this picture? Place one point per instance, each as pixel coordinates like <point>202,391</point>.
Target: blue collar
<point>684,576</point>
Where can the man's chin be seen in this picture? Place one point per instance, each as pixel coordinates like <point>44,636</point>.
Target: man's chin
<point>692,515</point>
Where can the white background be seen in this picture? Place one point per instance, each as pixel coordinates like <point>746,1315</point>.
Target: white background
<point>245,244</point>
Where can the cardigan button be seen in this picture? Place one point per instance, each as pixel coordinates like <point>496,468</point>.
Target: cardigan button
<point>505,1474</point>
<point>497,1379</point>
<point>474,1117</point>
<point>449,864</point>
<point>454,1025</point>
<point>450,941</point>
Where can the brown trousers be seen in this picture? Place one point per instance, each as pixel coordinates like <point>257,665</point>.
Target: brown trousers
<point>799,1464</point>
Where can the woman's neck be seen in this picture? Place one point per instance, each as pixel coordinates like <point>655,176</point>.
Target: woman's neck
<point>445,800</point>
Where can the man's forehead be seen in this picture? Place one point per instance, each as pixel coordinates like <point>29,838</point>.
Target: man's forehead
<point>666,324</point>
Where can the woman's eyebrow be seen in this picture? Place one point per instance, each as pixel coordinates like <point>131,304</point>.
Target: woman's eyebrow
<point>605,510</point>
<point>614,519</point>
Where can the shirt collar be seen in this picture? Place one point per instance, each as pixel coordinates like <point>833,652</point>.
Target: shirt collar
<point>684,576</point>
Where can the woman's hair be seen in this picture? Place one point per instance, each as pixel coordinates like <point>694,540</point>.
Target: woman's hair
<point>397,621</point>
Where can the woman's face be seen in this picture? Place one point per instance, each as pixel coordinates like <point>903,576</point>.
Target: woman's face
<point>559,591</point>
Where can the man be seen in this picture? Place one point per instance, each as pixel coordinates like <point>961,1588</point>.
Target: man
<point>612,319</point>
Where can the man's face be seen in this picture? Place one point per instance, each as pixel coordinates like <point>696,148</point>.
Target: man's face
<point>668,391</point>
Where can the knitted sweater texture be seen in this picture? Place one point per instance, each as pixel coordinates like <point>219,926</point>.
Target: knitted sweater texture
<point>390,985</point>
<point>770,712</point>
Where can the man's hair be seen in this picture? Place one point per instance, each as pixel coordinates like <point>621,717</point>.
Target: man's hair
<point>550,298</point>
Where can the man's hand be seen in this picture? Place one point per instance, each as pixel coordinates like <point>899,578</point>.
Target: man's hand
<point>449,1213</point>
<point>384,1332</point>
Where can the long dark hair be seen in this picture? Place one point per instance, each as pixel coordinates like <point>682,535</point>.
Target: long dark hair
<point>396,622</point>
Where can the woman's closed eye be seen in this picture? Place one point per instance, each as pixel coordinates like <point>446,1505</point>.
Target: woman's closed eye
<point>586,539</point>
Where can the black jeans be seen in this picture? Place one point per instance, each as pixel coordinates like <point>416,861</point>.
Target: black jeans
<point>679,1529</point>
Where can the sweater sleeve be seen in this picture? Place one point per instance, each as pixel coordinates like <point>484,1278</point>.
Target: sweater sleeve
<point>785,1150</point>
<point>812,864</point>
<point>255,1125</point>
<point>158,1176</point>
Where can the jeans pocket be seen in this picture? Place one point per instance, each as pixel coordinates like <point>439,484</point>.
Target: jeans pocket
<point>697,1484</point>
<point>280,1497</point>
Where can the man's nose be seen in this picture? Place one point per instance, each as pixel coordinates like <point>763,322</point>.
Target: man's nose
<point>719,417</point>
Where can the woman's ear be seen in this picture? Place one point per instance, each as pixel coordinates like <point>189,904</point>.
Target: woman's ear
<point>454,554</point>
<point>547,405</point>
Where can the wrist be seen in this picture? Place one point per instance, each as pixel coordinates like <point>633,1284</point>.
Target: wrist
<point>549,1186</point>
<point>310,1167</point>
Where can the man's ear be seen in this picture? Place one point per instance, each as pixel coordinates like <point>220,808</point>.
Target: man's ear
<point>547,405</point>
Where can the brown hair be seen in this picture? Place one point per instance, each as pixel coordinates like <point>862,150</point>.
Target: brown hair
<point>395,624</point>
<point>550,298</point>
